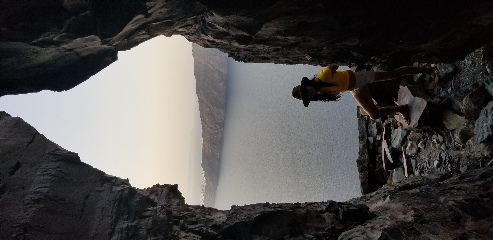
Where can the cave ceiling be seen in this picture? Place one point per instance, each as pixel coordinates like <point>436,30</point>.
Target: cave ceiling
<point>56,45</point>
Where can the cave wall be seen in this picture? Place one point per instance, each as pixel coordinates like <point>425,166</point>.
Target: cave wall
<point>46,192</point>
<point>55,45</point>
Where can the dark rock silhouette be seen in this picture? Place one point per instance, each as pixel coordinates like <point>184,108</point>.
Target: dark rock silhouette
<point>282,31</point>
<point>483,127</point>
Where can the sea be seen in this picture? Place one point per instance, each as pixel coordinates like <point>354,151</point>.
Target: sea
<point>276,150</point>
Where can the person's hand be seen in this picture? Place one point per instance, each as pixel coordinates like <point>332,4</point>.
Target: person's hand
<point>333,68</point>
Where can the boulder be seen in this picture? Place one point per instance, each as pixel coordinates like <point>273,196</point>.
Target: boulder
<point>452,120</point>
<point>447,70</point>
<point>483,127</point>
<point>25,68</point>
<point>474,102</point>
<point>416,105</point>
<point>398,136</point>
<point>488,85</point>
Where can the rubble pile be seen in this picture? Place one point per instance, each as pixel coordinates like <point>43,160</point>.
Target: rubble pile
<point>451,127</point>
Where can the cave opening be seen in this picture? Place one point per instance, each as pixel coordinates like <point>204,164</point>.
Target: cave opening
<point>117,121</point>
<point>137,118</point>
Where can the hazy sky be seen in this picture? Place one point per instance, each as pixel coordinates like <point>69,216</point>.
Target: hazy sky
<point>135,119</point>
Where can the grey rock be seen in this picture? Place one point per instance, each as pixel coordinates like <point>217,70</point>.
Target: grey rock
<point>416,105</point>
<point>398,136</point>
<point>464,134</point>
<point>437,138</point>
<point>474,102</point>
<point>447,70</point>
<point>398,175</point>
<point>411,148</point>
<point>489,67</point>
<point>390,208</point>
<point>488,85</point>
<point>452,120</point>
<point>483,127</point>
<point>436,163</point>
<point>487,149</point>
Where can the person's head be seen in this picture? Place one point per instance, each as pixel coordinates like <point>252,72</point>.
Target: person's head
<point>303,93</point>
<point>307,92</point>
<point>297,92</point>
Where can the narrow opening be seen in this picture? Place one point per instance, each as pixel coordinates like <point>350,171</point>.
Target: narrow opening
<point>137,119</point>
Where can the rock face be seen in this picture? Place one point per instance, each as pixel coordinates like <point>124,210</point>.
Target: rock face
<point>210,68</point>
<point>453,132</point>
<point>28,68</point>
<point>46,192</point>
<point>435,207</point>
<point>279,31</point>
<point>483,127</point>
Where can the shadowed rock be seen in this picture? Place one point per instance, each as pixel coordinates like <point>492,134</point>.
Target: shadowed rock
<point>53,195</point>
<point>277,31</point>
<point>483,128</point>
<point>446,140</point>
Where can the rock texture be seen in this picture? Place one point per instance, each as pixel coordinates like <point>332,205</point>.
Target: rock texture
<point>46,192</point>
<point>453,133</point>
<point>26,68</point>
<point>210,68</point>
<point>279,31</point>
<point>432,207</point>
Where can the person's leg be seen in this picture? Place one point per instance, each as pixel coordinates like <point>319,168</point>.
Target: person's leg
<point>402,71</point>
<point>364,99</point>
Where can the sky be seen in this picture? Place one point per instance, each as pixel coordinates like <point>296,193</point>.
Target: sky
<point>134,119</point>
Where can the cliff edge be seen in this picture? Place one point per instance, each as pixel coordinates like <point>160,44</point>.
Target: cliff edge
<point>210,68</point>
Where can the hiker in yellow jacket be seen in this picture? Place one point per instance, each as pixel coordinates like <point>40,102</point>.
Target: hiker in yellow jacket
<point>329,83</point>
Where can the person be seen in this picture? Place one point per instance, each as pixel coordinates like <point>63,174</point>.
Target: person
<point>329,84</point>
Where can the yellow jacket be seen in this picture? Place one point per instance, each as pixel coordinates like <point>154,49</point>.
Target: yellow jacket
<point>340,79</point>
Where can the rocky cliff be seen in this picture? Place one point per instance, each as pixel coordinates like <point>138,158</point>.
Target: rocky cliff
<point>452,133</point>
<point>46,192</point>
<point>210,68</point>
